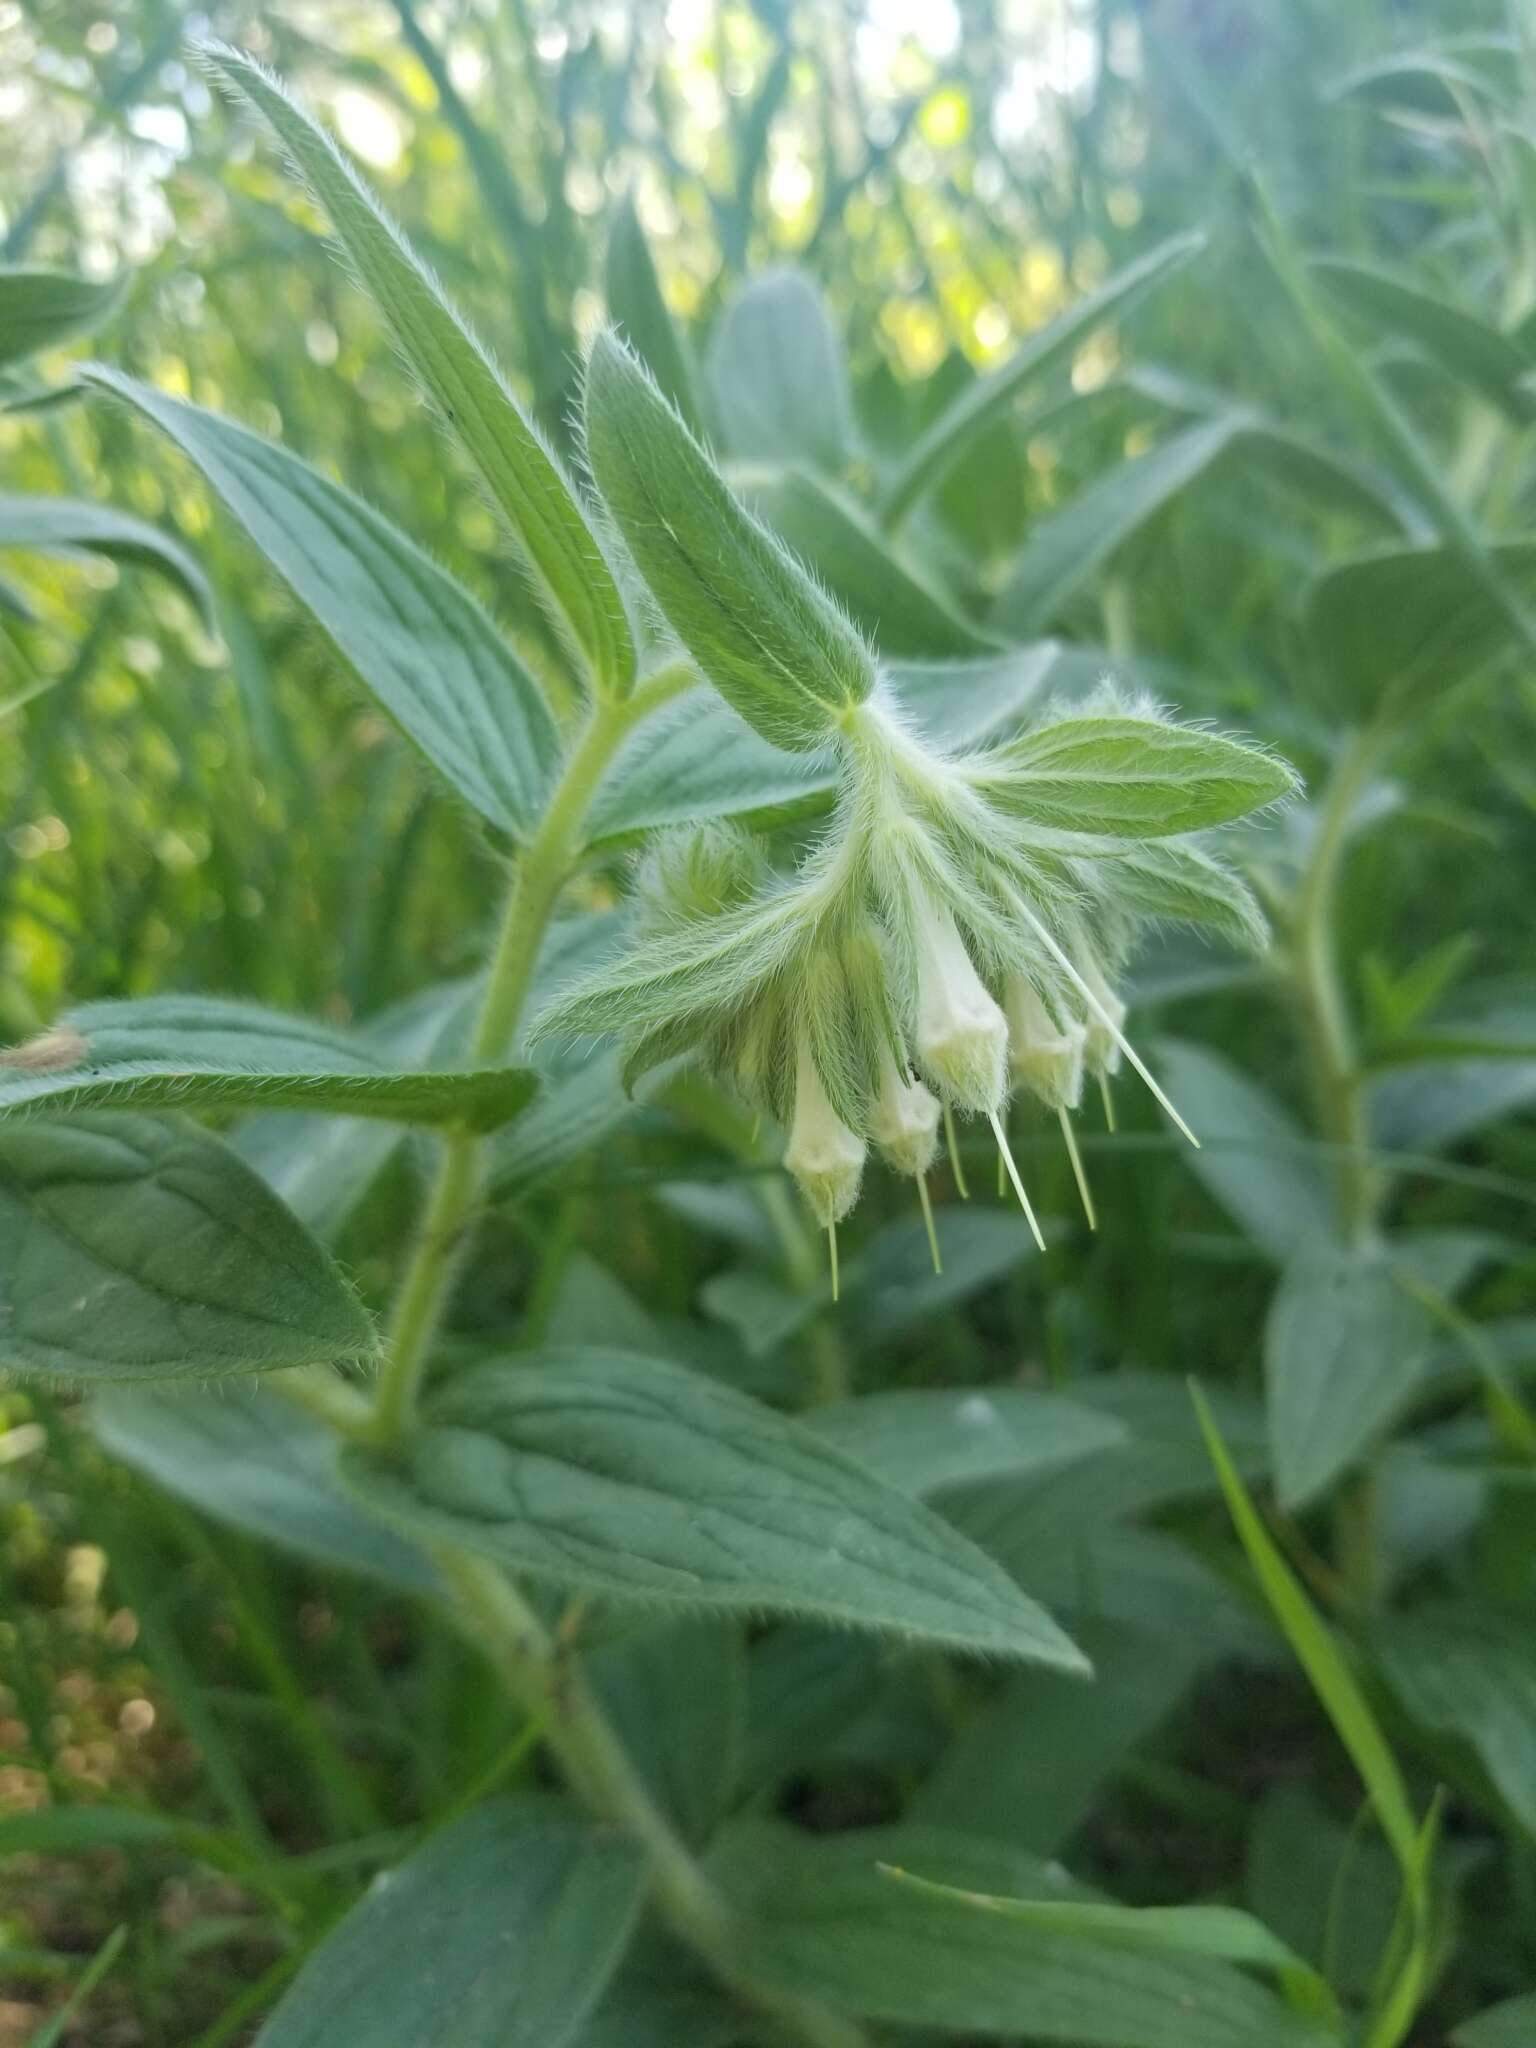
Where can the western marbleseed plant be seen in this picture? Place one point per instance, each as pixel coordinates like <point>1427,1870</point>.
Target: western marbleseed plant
<point>931,925</point>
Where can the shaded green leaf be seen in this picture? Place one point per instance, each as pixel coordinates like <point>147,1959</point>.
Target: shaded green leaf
<point>500,1932</point>
<point>136,1247</point>
<point>1470,1671</point>
<point>40,308</point>
<point>676,1694</point>
<point>417,639</point>
<point>249,1458</point>
<point>1184,884</point>
<point>203,1052</point>
<point>777,376</point>
<point>974,411</point>
<point>1510,2025</point>
<point>523,478</point>
<point>638,1480</point>
<point>1345,1347</point>
<point>1470,348</point>
<point>636,307</point>
<point>74,526</point>
<point>925,1440</point>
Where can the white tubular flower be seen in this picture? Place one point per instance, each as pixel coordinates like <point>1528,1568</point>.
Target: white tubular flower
<point>824,1156</point>
<point>904,1121</point>
<point>1045,1056</point>
<point>962,1035</point>
<point>1103,1046</point>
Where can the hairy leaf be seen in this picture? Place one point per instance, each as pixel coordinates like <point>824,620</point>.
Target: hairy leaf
<point>636,307</point>
<point>777,375</point>
<point>134,1247</point>
<point>762,632</point>
<point>522,476</point>
<point>417,639</point>
<point>638,1480</point>
<point>40,308</point>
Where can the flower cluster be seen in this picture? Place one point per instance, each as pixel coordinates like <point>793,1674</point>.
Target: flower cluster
<point>955,935</point>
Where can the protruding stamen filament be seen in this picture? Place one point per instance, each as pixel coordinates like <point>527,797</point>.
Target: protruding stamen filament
<point>933,1235</point>
<point>954,1154</point>
<point>1108,1101</point>
<point>1104,1017</point>
<point>832,1256</point>
<point>1077,1168</point>
<point>1013,1174</point>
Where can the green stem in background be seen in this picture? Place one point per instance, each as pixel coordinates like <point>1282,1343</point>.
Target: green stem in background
<point>1326,1022</point>
<point>546,1679</point>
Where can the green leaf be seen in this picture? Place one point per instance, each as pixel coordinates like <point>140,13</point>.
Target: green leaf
<point>891,1287</point>
<point>1302,1867</point>
<point>1128,776</point>
<point>135,1247</point>
<point>1510,2025</point>
<point>904,613</point>
<point>638,1480</point>
<point>74,526</point>
<point>1319,1656</point>
<point>202,1052</point>
<point>636,307</point>
<point>246,1457</point>
<point>1409,626</point>
<point>1470,1671</point>
<point>777,375</point>
<point>827,1922</point>
<point>979,405</point>
<point>1254,1158</point>
<point>778,650</point>
<point>501,1932</point>
<point>1185,885</point>
<point>52,2030</point>
<point>1066,547</point>
<point>1344,1348</point>
<point>522,477</point>
<point>676,1696</point>
<point>72,1830</point>
<point>40,308</point>
<point>1027,1768</point>
<point>581,1102</point>
<point>1470,348</point>
<point>417,639</point>
<point>924,1440</point>
<point>1223,1933</point>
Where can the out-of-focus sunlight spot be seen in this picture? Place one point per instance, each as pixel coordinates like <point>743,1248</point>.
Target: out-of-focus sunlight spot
<point>370,128</point>
<point>1044,279</point>
<point>101,38</point>
<point>587,313</point>
<point>1123,205</point>
<point>945,118</point>
<point>1042,455</point>
<point>1017,110</point>
<point>1094,364</point>
<point>165,127</point>
<point>477,529</point>
<point>917,333</point>
<point>466,67</point>
<point>934,25</point>
<point>988,181</point>
<point>1137,441</point>
<point>43,835</point>
<point>85,1567</point>
<point>991,327</point>
<point>13,98</point>
<point>584,192</point>
<point>791,185</point>
<point>141,654</point>
<point>552,42</point>
<point>1123,56</point>
<point>322,344</point>
<point>136,1717</point>
<point>1090,266</point>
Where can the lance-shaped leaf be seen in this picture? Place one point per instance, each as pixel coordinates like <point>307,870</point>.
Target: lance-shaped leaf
<point>757,625</point>
<point>974,411</point>
<point>136,1247</point>
<point>1127,776</point>
<point>777,371</point>
<point>639,1481</point>
<point>523,478</point>
<point>1172,879</point>
<point>39,308</point>
<point>418,640</point>
<point>501,1931</point>
<point>1470,348</point>
<point>196,1052</point>
<point>74,526</point>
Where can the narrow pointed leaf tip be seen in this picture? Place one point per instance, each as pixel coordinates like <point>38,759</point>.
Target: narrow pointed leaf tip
<point>768,638</point>
<point>523,478</point>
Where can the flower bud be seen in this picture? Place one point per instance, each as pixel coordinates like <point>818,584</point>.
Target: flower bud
<point>1102,1049</point>
<point>1046,1057</point>
<point>904,1121</point>
<point>962,1036</point>
<point>825,1157</point>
